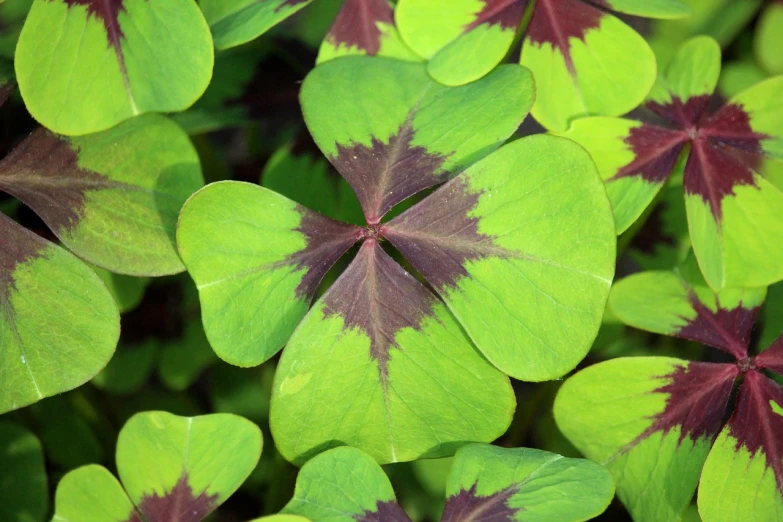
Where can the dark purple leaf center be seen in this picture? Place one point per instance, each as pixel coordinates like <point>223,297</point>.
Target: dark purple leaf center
<point>725,151</point>
<point>17,246</point>
<point>107,11</point>
<point>389,511</point>
<point>178,505</point>
<point>466,505</point>
<point>357,22</point>
<point>505,13</point>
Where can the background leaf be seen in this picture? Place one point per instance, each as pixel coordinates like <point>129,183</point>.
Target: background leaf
<point>23,490</point>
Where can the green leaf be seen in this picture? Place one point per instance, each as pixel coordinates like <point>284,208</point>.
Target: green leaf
<point>693,72</point>
<point>234,22</point>
<point>23,491</point>
<point>391,131</point>
<point>524,262</point>
<point>164,462</point>
<point>364,27</point>
<point>257,258</point>
<point>309,180</point>
<point>586,62</point>
<point>280,518</point>
<point>680,303</point>
<point>68,437</point>
<point>410,383</point>
<point>524,484</point>
<point>772,316</point>
<point>129,369</point>
<point>42,284</point>
<point>85,66</point>
<point>743,475</point>
<point>126,290</point>
<point>112,197</point>
<point>739,75</point>
<point>182,361</point>
<point>344,485</point>
<point>769,38</point>
<point>665,9</point>
<point>463,39</point>
<point>650,421</point>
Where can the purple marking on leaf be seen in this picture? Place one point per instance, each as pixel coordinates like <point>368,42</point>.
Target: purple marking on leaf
<point>357,22</point>
<point>17,246</point>
<point>43,172</point>
<point>385,174</point>
<point>378,297</point>
<point>681,115</point>
<point>727,330</point>
<point>698,395</point>
<point>439,237</point>
<point>655,153</point>
<point>389,511</point>
<point>466,505</point>
<point>725,150</point>
<point>505,13</point>
<point>108,12</point>
<point>556,22</point>
<point>772,357</point>
<point>756,426</point>
<point>180,505</point>
<point>326,242</point>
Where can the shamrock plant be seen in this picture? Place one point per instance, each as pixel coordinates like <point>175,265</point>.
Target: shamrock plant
<point>113,199</point>
<point>172,469</point>
<point>585,60</point>
<point>518,245</point>
<point>662,425</point>
<point>485,483</point>
<point>86,65</point>
<point>733,211</point>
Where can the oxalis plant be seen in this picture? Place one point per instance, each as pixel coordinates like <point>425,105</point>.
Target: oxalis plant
<point>391,265</point>
<point>664,425</point>
<point>518,244</point>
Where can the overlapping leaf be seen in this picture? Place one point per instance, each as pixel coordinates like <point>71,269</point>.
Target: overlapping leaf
<point>165,462</point>
<point>493,236</point>
<point>84,66</point>
<point>112,197</point>
<point>23,491</point>
<point>731,208</point>
<point>485,483</point>
<point>769,38</point>
<point>365,27</point>
<point>653,421</point>
<point>411,384</point>
<point>58,323</point>
<point>234,22</point>
<point>585,60</point>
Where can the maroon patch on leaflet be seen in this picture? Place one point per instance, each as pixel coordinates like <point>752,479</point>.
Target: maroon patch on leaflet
<point>179,504</point>
<point>385,174</point>
<point>682,115</point>
<point>438,237</point>
<point>17,246</point>
<point>556,22</point>
<point>43,172</point>
<point>505,13</point>
<point>655,153</point>
<point>698,396</point>
<point>466,505</point>
<point>756,426</point>
<point>356,24</point>
<point>326,242</point>
<point>388,511</point>
<point>727,330</point>
<point>378,297</point>
<point>772,357</point>
<point>108,12</point>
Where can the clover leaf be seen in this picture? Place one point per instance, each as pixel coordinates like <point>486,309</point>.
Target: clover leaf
<point>172,469</point>
<point>732,209</point>
<point>662,425</point>
<point>234,22</point>
<point>365,27</point>
<point>584,59</point>
<point>23,489</point>
<point>485,483</point>
<point>84,66</point>
<point>394,373</point>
